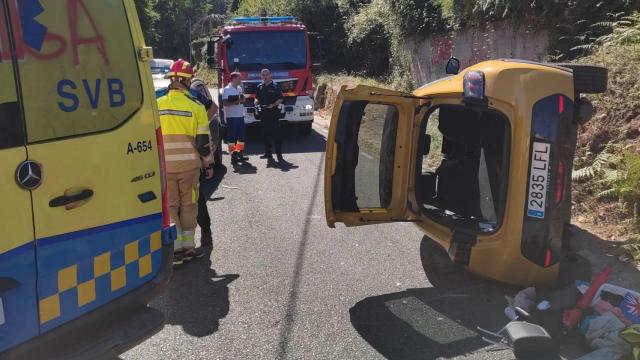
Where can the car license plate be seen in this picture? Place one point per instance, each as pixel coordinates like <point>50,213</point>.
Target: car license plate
<point>538,183</point>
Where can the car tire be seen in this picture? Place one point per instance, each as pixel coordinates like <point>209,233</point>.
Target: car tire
<point>588,79</point>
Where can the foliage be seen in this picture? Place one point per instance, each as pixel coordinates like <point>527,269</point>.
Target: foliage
<point>148,19</point>
<point>166,24</point>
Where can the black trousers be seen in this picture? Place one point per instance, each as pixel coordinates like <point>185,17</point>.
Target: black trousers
<point>271,132</point>
<point>204,220</point>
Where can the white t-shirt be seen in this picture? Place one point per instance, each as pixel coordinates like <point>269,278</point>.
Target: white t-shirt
<point>233,111</point>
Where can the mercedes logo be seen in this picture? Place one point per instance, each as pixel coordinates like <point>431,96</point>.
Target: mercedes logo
<point>29,175</point>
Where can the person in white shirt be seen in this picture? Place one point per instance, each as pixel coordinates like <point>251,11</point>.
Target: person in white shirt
<point>232,98</point>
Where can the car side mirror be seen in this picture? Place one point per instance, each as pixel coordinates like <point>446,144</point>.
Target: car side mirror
<point>453,66</point>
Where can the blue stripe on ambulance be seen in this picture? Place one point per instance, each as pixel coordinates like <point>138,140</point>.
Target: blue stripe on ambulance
<point>81,271</point>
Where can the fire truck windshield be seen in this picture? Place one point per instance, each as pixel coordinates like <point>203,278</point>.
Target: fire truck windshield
<point>276,50</point>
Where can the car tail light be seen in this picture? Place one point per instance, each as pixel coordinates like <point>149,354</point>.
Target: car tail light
<point>559,182</point>
<point>166,218</point>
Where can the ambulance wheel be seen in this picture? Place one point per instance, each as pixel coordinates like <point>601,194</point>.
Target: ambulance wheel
<point>588,79</point>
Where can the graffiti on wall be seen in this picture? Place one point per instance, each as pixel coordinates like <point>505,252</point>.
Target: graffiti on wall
<point>528,41</point>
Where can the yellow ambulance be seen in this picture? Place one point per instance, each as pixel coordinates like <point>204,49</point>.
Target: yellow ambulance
<point>86,235</point>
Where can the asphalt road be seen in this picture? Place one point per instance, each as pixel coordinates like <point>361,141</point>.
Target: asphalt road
<point>286,286</point>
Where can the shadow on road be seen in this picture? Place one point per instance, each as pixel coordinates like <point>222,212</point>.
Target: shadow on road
<point>435,322</point>
<point>292,142</point>
<point>441,321</point>
<point>197,298</point>
<point>209,187</point>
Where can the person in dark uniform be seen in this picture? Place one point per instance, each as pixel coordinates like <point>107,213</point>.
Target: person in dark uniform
<point>202,94</point>
<point>269,98</point>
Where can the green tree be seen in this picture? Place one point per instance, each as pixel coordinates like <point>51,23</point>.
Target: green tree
<point>148,19</point>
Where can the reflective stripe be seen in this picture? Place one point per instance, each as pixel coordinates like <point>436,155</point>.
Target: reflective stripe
<point>178,145</point>
<point>203,129</point>
<point>176,113</point>
<point>181,157</point>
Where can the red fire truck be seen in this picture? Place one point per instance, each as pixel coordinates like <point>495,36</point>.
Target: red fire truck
<point>280,44</point>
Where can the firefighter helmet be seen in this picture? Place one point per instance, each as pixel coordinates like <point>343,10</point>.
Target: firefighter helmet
<point>182,69</point>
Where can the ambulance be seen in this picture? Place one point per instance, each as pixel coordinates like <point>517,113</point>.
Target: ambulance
<point>87,241</point>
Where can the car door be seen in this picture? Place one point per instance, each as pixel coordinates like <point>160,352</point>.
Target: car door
<point>91,130</point>
<point>18,302</point>
<point>368,156</point>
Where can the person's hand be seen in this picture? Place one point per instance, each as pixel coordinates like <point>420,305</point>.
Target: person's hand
<point>208,173</point>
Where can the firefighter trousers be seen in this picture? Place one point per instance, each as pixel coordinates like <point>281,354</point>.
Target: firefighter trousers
<point>183,205</point>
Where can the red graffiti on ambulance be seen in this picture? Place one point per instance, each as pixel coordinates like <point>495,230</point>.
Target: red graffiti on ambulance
<point>56,45</point>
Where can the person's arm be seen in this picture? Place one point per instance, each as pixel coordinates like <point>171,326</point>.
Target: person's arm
<point>225,98</point>
<point>203,137</point>
<point>280,97</point>
<point>212,110</point>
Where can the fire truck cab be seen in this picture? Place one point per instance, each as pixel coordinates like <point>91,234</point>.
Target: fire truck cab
<point>281,44</point>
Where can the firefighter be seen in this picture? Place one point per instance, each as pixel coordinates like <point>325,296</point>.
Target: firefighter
<point>185,131</point>
<point>269,98</point>
<point>232,97</point>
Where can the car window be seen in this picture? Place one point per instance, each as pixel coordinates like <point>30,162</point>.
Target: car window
<point>367,181</point>
<point>79,69</point>
<point>11,127</point>
<point>464,156</point>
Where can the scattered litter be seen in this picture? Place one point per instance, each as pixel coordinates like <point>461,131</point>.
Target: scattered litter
<point>605,315</point>
<point>229,187</point>
<point>524,300</point>
<point>603,335</point>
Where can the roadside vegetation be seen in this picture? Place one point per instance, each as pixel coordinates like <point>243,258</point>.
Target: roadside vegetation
<point>607,176</point>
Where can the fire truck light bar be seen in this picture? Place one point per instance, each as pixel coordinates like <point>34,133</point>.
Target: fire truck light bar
<point>271,20</point>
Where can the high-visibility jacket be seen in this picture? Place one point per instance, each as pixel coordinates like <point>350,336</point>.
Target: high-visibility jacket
<point>185,131</point>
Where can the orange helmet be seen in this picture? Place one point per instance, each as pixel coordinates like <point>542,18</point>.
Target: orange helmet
<point>181,68</point>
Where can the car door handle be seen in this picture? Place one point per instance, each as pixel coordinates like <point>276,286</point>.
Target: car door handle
<point>70,199</point>
<point>7,283</point>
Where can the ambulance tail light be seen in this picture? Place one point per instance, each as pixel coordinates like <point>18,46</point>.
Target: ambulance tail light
<point>166,218</point>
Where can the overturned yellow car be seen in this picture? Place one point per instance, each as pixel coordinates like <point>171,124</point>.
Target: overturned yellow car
<point>480,161</point>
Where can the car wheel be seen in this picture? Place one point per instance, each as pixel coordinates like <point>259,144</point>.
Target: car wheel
<point>588,79</point>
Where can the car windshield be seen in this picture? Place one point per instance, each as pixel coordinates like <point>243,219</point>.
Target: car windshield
<point>276,50</point>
